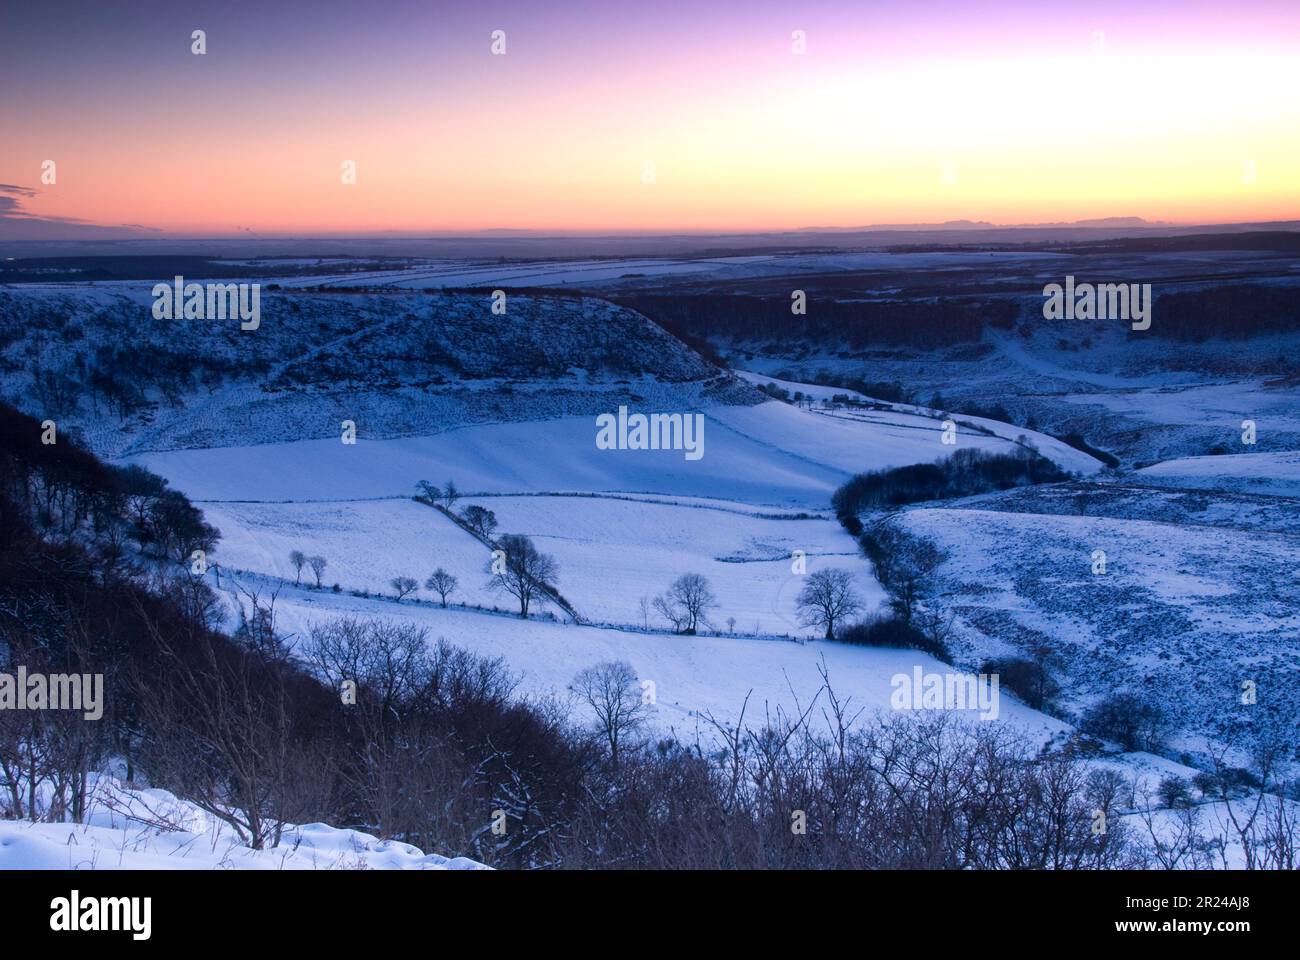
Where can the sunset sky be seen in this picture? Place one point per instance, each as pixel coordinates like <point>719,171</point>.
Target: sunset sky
<point>1010,111</point>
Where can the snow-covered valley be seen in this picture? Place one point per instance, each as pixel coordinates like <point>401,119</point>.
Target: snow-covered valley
<point>1196,590</point>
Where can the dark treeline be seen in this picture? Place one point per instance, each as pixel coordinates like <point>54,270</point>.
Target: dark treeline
<point>1233,312</point>
<point>966,472</point>
<point>65,491</point>
<point>919,323</point>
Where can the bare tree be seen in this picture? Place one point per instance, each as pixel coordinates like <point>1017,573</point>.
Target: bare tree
<point>481,521</point>
<point>442,583</point>
<point>317,565</point>
<point>299,560</point>
<point>611,690</point>
<point>450,495</point>
<point>519,569</point>
<point>220,729</point>
<point>1253,807</point>
<point>687,603</point>
<point>827,599</point>
<point>403,586</point>
<point>257,628</point>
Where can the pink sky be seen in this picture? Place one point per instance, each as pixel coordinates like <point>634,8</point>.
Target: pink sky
<point>919,112</point>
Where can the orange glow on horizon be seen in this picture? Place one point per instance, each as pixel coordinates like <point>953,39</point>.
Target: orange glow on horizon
<point>804,143</point>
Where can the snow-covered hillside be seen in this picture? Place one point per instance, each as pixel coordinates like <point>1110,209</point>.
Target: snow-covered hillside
<point>127,828</point>
<point>693,677</point>
<point>612,552</point>
<point>1275,474</point>
<point>395,365</point>
<point>1181,613</point>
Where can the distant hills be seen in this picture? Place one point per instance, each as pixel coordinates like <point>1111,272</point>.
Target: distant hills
<point>534,244</point>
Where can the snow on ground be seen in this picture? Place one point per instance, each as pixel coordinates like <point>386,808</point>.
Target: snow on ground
<point>770,454</point>
<point>1276,474</point>
<point>1181,613</point>
<point>366,543</point>
<point>637,271</point>
<point>1221,405</point>
<point>142,829</point>
<point>612,553</point>
<point>534,457</point>
<point>692,675</point>
<point>909,433</point>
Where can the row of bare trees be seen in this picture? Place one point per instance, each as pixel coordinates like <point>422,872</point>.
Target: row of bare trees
<point>827,601</point>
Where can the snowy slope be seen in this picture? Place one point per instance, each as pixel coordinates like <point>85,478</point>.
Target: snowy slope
<point>613,552</point>
<point>905,430</point>
<point>539,457</point>
<point>692,675</point>
<point>771,453</point>
<point>141,829</point>
<point>1182,613</point>
<point>1276,474</point>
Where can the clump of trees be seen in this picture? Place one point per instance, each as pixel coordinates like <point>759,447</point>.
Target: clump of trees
<point>905,565</point>
<point>517,568</point>
<point>1030,677</point>
<point>67,492</point>
<point>687,602</point>
<point>1134,721</point>
<point>968,471</point>
<point>480,520</point>
<point>445,497</point>
<point>884,630</point>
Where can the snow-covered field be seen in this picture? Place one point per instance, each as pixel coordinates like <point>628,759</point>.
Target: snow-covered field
<point>612,553</point>
<point>692,676</point>
<point>769,454</point>
<point>366,543</point>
